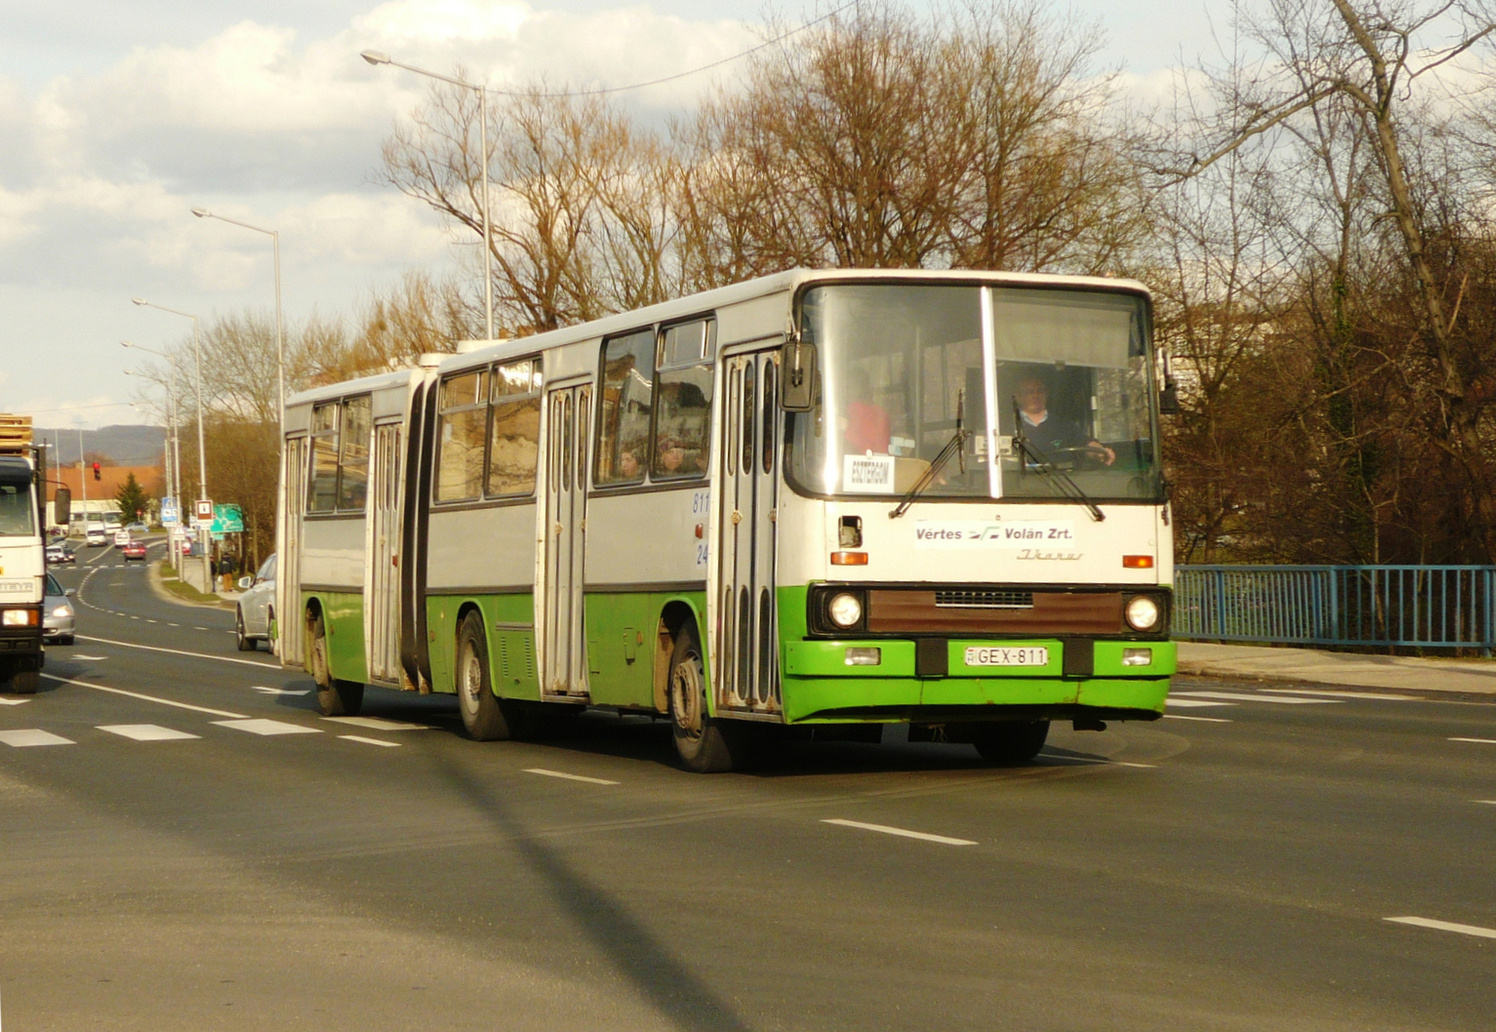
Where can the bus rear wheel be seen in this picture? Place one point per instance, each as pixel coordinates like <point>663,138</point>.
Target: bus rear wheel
<point>335,697</point>
<point>1010,742</point>
<point>705,745</point>
<point>482,715</point>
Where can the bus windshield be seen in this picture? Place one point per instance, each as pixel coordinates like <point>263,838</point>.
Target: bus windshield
<point>902,364</point>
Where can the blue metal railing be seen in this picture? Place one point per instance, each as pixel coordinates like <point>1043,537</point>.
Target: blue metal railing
<point>1423,606</point>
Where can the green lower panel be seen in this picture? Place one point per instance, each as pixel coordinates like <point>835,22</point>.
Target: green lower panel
<point>343,618</point>
<point>622,642</point>
<point>508,623</point>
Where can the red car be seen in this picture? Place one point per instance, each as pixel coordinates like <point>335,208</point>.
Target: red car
<point>134,550</point>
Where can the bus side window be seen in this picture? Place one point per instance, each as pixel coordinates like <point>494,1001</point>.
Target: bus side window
<point>322,489</point>
<point>626,401</point>
<point>514,429</point>
<point>683,413</point>
<point>461,428</point>
<point>353,458</point>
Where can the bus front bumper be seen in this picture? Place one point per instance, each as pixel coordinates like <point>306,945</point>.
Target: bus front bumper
<point>824,681</point>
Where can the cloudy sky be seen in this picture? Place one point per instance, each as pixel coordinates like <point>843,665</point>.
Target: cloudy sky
<point>118,118</point>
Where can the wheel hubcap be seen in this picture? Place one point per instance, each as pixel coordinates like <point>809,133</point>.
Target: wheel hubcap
<point>686,695</point>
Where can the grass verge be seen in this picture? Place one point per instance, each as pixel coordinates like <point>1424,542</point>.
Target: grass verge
<point>173,584</point>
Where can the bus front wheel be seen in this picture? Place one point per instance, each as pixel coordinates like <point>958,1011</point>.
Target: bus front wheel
<point>705,744</point>
<point>481,713</point>
<point>335,697</point>
<point>1010,742</point>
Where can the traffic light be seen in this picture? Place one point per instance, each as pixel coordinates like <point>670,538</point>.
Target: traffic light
<point>97,474</point>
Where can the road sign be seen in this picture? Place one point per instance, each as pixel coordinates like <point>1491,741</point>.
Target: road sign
<point>204,509</point>
<point>227,519</point>
<point>169,517</point>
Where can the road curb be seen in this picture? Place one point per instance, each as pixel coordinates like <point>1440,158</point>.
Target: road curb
<point>154,579</point>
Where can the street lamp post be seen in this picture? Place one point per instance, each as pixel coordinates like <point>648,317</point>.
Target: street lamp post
<point>375,57</point>
<point>202,461</point>
<point>174,447</point>
<point>280,347</point>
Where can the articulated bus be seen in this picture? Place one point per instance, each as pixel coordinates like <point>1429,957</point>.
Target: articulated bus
<point>834,500</point>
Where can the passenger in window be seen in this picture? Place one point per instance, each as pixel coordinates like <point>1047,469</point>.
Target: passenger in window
<point>628,465</point>
<point>1052,433</point>
<point>672,457</point>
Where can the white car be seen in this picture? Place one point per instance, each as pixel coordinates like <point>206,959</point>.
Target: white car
<point>121,538</point>
<point>254,615</point>
<point>93,535</point>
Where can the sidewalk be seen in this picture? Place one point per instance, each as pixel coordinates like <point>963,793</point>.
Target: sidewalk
<point>1339,668</point>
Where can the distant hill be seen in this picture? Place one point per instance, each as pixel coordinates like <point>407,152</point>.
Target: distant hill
<point>128,445</point>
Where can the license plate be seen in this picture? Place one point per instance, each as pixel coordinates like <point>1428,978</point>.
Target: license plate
<point>1027,655</point>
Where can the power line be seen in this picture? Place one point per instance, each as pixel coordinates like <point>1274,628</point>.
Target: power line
<point>678,75</point>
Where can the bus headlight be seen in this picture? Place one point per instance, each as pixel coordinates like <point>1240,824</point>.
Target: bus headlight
<point>1142,613</point>
<point>845,610</point>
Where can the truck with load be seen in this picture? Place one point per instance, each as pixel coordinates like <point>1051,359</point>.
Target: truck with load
<point>22,561</point>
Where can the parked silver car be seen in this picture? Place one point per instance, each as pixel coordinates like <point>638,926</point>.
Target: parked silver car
<point>254,615</point>
<point>59,622</point>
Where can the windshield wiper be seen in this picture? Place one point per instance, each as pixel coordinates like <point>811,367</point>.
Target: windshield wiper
<point>1046,467</point>
<point>955,446</point>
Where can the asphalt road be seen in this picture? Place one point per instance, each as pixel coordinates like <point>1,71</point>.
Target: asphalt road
<point>167,865</point>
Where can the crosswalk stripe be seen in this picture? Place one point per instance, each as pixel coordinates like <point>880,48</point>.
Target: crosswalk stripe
<point>22,738</point>
<point>146,732</point>
<point>265,726</point>
<point>1284,700</point>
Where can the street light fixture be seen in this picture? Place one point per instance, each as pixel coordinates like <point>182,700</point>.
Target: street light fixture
<point>202,461</point>
<point>280,347</point>
<point>375,57</point>
<point>174,450</point>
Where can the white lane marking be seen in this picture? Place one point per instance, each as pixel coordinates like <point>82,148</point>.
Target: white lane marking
<point>568,777</point>
<point>1342,695</point>
<point>178,652</point>
<point>153,621</point>
<point>1488,802</point>
<point>379,723</point>
<point>91,659</point>
<point>281,691</point>
<point>901,832</point>
<point>1478,741</point>
<point>1190,703</point>
<point>14,702</point>
<point>1208,720</point>
<point>264,726</point>
<point>170,624</point>
<point>369,741</point>
<point>29,736</point>
<point>1445,926</point>
<point>147,698</point>
<point>1244,697</point>
<point>197,628</point>
<point>146,732</point>
<point>1120,763</point>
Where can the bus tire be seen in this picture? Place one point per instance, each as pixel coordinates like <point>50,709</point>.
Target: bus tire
<point>482,715</point>
<point>335,697</point>
<point>1010,742</point>
<point>705,745</point>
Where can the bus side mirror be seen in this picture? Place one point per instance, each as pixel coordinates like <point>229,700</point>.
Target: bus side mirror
<point>797,365</point>
<point>1168,398</point>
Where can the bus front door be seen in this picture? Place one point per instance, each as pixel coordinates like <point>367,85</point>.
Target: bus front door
<point>746,651</point>
<point>563,649</point>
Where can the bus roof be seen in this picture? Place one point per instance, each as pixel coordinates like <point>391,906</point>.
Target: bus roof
<point>787,281</point>
<point>364,384</point>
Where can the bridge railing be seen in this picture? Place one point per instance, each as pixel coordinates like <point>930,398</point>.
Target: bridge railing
<point>1416,606</point>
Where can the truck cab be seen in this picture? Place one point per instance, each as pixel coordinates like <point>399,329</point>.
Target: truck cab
<point>22,577</point>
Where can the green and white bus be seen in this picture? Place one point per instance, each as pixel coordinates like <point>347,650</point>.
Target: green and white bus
<point>836,499</point>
